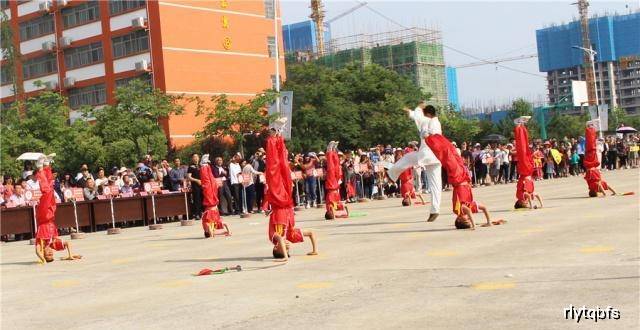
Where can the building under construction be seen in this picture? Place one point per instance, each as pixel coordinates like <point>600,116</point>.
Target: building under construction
<point>415,53</point>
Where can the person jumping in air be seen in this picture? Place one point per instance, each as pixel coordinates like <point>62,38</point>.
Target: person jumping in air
<point>282,225</point>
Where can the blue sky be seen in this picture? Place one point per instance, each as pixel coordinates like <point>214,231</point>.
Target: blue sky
<point>485,29</point>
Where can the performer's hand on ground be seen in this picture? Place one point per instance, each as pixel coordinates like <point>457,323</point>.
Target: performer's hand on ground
<point>73,257</point>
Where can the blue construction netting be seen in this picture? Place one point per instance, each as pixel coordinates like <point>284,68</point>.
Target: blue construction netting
<point>452,87</point>
<point>301,36</point>
<point>611,37</point>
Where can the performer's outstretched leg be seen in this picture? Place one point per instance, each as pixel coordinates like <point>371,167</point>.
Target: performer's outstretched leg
<point>434,180</point>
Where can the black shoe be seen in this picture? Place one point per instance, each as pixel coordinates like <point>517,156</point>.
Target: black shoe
<point>432,217</point>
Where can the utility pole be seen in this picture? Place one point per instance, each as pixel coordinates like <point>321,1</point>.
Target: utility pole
<point>588,56</point>
<point>317,15</point>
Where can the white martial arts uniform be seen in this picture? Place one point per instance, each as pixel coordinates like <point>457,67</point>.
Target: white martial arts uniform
<point>423,157</point>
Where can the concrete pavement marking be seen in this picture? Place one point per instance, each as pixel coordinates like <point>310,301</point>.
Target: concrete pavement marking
<point>400,225</point>
<point>442,253</point>
<point>59,284</point>
<point>175,284</point>
<point>531,231</point>
<point>121,261</point>
<point>315,285</point>
<point>596,249</point>
<point>490,286</point>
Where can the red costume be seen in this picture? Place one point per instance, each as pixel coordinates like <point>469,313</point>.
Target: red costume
<point>406,184</point>
<point>462,195</point>
<point>331,183</point>
<point>525,163</point>
<point>210,201</point>
<point>591,163</point>
<point>590,152</point>
<point>457,174</point>
<point>593,178</point>
<point>278,176</point>
<point>46,209</point>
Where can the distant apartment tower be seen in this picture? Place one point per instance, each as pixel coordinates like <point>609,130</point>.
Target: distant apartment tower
<point>616,39</point>
<point>452,87</point>
<point>301,37</point>
<point>85,49</point>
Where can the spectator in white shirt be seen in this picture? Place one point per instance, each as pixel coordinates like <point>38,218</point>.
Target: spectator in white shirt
<point>248,173</point>
<point>17,199</point>
<point>236,185</point>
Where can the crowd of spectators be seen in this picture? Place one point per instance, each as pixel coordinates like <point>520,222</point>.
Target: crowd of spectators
<point>241,180</point>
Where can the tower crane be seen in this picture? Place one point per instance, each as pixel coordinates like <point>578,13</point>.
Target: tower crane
<point>496,61</point>
<point>317,16</point>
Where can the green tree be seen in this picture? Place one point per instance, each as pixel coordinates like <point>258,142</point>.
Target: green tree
<point>561,126</point>
<point>233,119</point>
<point>357,106</point>
<point>519,107</point>
<point>45,129</point>
<point>10,53</point>
<point>457,127</point>
<point>131,127</point>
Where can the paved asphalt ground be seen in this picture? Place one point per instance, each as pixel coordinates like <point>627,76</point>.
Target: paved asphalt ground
<point>388,268</point>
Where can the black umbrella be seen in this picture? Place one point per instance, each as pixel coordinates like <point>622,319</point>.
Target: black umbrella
<point>626,129</point>
<point>494,138</point>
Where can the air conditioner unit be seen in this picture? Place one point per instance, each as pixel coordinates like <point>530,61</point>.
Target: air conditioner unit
<point>62,3</point>
<point>142,65</point>
<point>51,85</point>
<point>69,82</point>
<point>65,41</point>
<point>45,6</point>
<point>138,22</point>
<point>48,46</point>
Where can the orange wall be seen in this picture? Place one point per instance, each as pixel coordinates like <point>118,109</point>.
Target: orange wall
<point>202,66</point>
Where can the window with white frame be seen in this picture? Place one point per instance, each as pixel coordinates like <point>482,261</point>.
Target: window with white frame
<point>84,55</point>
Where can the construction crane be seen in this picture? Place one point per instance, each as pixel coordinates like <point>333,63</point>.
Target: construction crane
<point>317,15</point>
<point>589,53</point>
<point>349,11</point>
<point>496,61</point>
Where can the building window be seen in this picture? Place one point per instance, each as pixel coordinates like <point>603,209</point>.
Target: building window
<point>36,27</point>
<point>4,4</point>
<point>269,9</point>
<point>271,46</point>
<point>39,66</point>
<point>90,95</point>
<point>81,56</point>
<point>129,44</point>
<point>78,15</point>
<point>6,75</point>
<point>125,81</point>
<point>118,6</point>
<point>273,81</point>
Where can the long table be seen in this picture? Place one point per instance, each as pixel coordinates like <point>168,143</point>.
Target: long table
<point>20,220</point>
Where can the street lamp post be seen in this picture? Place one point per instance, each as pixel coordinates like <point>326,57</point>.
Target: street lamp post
<point>592,54</point>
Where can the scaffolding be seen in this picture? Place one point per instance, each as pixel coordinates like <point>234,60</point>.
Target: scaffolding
<point>415,53</point>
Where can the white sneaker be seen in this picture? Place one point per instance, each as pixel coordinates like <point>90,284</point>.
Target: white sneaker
<point>205,159</point>
<point>521,120</point>
<point>595,123</point>
<point>279,123</point>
